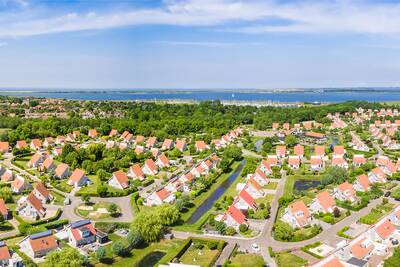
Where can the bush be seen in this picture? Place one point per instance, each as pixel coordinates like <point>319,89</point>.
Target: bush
<point>243,228</point>
<point>230,231</point>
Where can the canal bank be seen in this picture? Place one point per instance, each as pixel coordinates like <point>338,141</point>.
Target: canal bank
<point>209,202</point>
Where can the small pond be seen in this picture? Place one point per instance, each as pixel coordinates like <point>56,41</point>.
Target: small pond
<point>302,185</point>
<point>151,259</point>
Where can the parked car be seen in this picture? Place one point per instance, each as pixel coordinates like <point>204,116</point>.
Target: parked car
<point>388,193</point>
<point>255,247</point>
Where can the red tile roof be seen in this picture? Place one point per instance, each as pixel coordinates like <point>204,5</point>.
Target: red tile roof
<point>61,169</point>
<point>43,243</point>
<point>236,214</point>
<point>42,190</point>
<point>121,178</point>
<point>77,175</point>
<point>385,229</point>
<point>247,198</point>
<point>136,170</point>
<point>162,193</point>
<point>3,207</point>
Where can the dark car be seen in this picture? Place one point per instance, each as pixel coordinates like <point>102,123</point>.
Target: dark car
<point>388,193</point>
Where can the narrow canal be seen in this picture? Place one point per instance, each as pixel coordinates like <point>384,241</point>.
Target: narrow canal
<point>209,202</point>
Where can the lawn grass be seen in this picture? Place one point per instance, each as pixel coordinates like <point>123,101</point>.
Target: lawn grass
<point>291,179</point>
<point>58,198</point>
<point>271,185</point>
<point>202,257</point>
<point>62,185</point>
<point>285,259</point>
<point>99,205</point>
<point>376,214</point>
<point>169,247</point>
<point>92,189</point>
<point>247,260</point>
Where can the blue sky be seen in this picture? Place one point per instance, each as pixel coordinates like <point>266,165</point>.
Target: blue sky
<point>199,43</point>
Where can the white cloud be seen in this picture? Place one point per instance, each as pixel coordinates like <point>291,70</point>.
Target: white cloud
<point>311,17</point>
<point>3,44</point>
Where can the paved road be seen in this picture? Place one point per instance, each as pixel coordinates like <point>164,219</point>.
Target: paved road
<point>123,202</point>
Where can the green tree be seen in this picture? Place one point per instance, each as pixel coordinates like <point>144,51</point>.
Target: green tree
<point>101,190</point>
<point>100,254</point>
<point>290,140</point>
<point>148,226</point>
<point>85,199</point>
<point>167,214</point>
<point>394,260</point>
<point>6,194</point>
<point>113,209</point>
<point>134,239</point>
<point>118,248</point>
<point>67,257</point>
<point>283,231</point>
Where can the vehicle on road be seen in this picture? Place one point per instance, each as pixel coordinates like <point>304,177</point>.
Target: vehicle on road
<point>255,247</point>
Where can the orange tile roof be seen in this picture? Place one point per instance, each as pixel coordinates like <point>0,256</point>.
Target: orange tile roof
<point>334,262</point>
<point>319,150</point>
<point>200,145</point>
<point>338,150</point>
<point>236,214</point>
<point>385,229</point>
<point>122,179</point>
<point>363,181</point>
<point>47,163</point>
<point>299,150</point>
<point>4,253</point>
<point>43,243</point>
<point>42,190</point>
<point>137,171</point>
<point>151,165</point>
<point>326,200</point>
<point>162,193</point>
<point>360,250</point>
<point>77,175</point>
<point>3,207</point>
<point>21,144</point>
<point>35,202</point>
<point>4,146</point>
<point>61,169</point>
<point>254,184</point>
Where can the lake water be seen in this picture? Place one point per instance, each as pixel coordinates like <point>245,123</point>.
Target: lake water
<point>209,202</point>
<point>338,95</point>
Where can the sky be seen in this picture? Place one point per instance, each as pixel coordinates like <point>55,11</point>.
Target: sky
<point>123,44</point>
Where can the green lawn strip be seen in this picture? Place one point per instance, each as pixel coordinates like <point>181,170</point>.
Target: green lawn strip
<point>291,179</point>
<point>376,214</point>
<point>284,259</point>
<point>342,231</point>
<point>202,257</point>
<point>62,185</point>
<point>307,248</point>
<point>92,189</point>
<point>86,213</point>
<point>271,186</point>
<point>247,260</point>
<point>58,198</point>
<point>137,254</point>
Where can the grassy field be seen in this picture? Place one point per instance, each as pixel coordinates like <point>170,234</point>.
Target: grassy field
<point>87,213</point>
<point>135,256</point>
<point>92,189</point>
<point>291,179</point>
<point>247,260</point>
<point>271,185</point>
<point>202,257</point>
<point>376,213</point>
<point>58,198</point>
<point>285,259</point>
